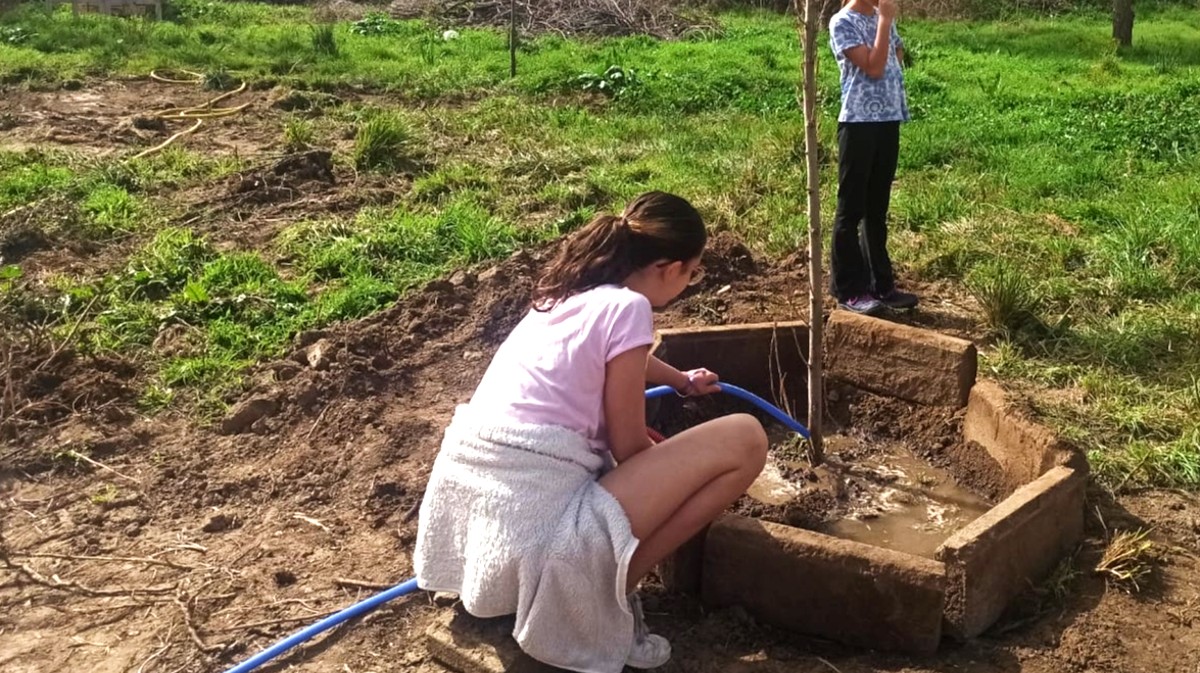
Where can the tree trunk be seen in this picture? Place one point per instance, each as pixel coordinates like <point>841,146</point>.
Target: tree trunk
<point>1123,22</point>
<point>809,25</point>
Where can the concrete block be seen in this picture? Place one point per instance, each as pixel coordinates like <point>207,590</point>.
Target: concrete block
<point>1015,544</point>
<point>466,644</point>
<point>1024,449</point>
<point>819,585</point>
<point>750,356</point>
<point>887,358</point>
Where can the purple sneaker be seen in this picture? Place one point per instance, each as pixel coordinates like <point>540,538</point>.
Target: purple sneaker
<point>899,301</point>
<point>863,305</point>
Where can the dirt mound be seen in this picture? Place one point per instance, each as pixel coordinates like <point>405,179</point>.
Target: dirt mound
<point>43,386</point>
<point>286,179</point>
<point>742,287</point>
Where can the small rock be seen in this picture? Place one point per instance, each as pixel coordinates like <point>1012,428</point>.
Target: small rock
<point>221,523</point>
<point>286,371</point>
<point>463,278</point>
<point>472,355</point>
<point>439,286</point>
<point>133,529</point>
<point>320,355</point>
<point>489,275</point>
<point>246,413</point>
<point>308,397</point>
<point>143,123</point>
<point>262,426</point>
<point>302,101</point>
<point>444,599</point>
<point>306,339</point>
<point>262,380</point>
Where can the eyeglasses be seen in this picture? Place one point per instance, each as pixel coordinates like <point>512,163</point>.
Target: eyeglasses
<point>697,274</point>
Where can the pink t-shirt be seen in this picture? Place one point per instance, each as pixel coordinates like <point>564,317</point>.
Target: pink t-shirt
<point>550,370</point>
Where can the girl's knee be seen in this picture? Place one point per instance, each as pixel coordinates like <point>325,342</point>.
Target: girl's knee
<point>752,438</point>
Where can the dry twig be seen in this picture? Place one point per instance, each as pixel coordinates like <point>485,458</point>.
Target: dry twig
<point>95,463</point>
<point>359,584</point>
<point>114,559</point>
<point>186,605</point>
<point>54,582</point>
<point>274,622</point>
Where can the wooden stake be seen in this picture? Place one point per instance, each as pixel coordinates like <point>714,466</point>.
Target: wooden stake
<point>512,38</point>
<point>816,379</point>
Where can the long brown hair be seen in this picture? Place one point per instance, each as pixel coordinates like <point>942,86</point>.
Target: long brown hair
<point>655,226</point>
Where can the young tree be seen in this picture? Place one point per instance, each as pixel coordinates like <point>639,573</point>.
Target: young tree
<point>1123,22</point>
<point>808,24</point>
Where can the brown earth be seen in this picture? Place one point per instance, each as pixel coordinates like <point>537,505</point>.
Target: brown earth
<point>183,547</point>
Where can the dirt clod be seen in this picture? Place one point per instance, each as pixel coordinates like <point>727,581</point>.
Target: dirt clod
<point>155,124</point>
<point>248,412</point>
<point>302,101</point>
<point>221,523</point>
<point>320,355</point>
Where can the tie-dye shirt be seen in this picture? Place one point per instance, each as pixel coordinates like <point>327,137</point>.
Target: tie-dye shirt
<point>865,99</point>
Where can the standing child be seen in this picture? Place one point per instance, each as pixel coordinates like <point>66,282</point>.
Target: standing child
<point>524,512</point>
<point>869,52</point>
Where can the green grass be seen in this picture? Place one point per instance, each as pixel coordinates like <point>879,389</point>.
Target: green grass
<point>298,134</point>
<point>383,142</point>
<point>1048,173</point>
<point>217,312</point>
<point>98,200</point>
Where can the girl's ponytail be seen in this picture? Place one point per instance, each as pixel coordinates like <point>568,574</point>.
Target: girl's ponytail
<point>597,254</point>
<point>655,227</point>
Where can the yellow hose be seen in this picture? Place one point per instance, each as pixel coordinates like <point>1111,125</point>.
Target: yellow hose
<point>197,112</point>
<point>168,141</point>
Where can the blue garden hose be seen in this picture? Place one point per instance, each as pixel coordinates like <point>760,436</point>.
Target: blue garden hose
<point>410,586</point>
<point>730,389</point>
<point>325,624</point>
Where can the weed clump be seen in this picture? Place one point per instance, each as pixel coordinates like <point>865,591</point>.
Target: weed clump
<point>324,40</point>
<point>382,142</point>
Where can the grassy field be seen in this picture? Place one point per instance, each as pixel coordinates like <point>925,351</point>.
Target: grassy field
<point>1050,174</point>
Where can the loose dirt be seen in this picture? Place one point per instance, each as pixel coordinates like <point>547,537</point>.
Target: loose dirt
<point>186,547</point>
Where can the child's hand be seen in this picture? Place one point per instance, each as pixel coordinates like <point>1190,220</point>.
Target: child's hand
<point>888,9</point>
<point>700,382</point>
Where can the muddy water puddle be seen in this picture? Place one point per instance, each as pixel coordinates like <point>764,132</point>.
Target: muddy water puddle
<point>867,491</point>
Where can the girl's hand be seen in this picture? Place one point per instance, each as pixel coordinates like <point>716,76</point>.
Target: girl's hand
<point>700,382</point>
<point>888,9</point>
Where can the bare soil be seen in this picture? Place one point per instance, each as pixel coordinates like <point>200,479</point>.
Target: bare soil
<point>186,547</point>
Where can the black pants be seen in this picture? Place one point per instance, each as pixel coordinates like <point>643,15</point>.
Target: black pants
<point>867,156</point>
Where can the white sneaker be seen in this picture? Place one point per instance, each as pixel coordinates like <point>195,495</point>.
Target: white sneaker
<point>649,650</point>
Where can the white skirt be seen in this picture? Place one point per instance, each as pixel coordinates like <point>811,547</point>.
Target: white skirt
<point>514,522</point>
